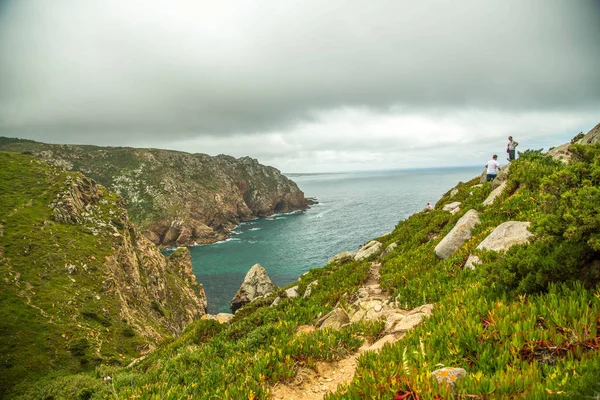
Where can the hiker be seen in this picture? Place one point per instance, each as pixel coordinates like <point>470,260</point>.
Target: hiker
<point>492,168</point>
<point>428,207</point>
<point>510,148</point>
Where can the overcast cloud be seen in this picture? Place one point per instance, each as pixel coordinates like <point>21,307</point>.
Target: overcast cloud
<point>305,85</point>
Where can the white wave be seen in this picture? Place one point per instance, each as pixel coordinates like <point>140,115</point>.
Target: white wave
<point>254,229</point>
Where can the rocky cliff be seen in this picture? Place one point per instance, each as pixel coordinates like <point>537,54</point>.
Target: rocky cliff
<point>177,198</point>
<point>80,285</point>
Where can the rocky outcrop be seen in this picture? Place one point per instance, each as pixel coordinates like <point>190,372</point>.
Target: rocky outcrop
<point>336,320</point>
<point>451,206</point>
<point>309,289</point>
<point>388,250</point>
<point>343,256</point>
<point>563,152</point>
<point>506,235</point>
<point>593,136</point>
<point>256,284</point>
<point>495,194</point>
<point>369,249</point>
<point>177,198</point>
<point>458,235</point>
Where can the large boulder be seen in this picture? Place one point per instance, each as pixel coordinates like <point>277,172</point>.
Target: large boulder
<point>336,320</point>
<point>373,247</point>
<point>256,284</point>
<point>458,235</point>
<point>502,177</point>
<point>343,256</point>
<point>506,235</point>
<point>495,193</point>
<point>451,206</point>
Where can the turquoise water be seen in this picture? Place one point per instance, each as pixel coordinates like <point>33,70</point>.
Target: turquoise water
<point>353,208</point>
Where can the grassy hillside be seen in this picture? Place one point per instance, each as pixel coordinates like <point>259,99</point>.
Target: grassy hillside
<point>63,241</point>
<point>524,324</point>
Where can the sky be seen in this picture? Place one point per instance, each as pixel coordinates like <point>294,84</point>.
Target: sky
<point>303,85</point>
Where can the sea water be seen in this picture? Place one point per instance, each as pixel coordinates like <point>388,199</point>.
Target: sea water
<point>353,209</point>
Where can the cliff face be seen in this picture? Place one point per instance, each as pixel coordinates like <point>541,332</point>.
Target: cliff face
<point>178,198</point>
<point>80,284</point>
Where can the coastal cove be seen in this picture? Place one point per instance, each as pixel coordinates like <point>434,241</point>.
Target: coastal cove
<point>353,208</point>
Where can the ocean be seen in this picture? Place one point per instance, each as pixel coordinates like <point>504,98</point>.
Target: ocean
<point>353,209</point>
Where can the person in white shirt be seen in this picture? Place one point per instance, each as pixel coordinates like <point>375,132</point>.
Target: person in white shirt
<point>510,148</point>
<point>492,168</point>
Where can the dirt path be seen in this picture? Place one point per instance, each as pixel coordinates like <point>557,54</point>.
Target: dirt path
<point>312,384</point>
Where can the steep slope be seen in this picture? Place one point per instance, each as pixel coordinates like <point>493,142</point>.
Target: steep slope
<point>175,197</point>
<point>79,285</point>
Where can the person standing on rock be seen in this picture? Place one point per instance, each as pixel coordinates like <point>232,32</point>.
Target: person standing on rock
<point>492,168</point>
<point>510,148</point>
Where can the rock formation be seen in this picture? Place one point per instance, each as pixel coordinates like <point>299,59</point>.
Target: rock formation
<point>506,235</point>
<point>495,193</point>
<point>178,198</point>
<point>369,249</point>
<point>256,284</point>
<point>458,235</point>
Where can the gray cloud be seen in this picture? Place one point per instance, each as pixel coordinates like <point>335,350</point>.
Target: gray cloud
<point>154,72</point>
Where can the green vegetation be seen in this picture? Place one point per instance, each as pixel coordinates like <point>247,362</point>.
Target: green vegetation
<point>524,324</point>
<point>56,314</point>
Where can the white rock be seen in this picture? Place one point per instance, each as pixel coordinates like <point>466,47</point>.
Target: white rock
<point>458,235</point>
<point>451,206</point>
<point>495,193</point>
<point>506,235</point>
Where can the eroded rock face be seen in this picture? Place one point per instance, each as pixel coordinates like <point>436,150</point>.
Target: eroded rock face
<point>458,235</point>
<point>373,247</point>
<point>176,198</point>
<point>256,284</point>
<point>506,235</point>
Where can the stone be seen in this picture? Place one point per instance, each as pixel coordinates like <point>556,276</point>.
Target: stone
<point>276,301</point>
<point>369,249</point>
<point>336,320</point>
<point>387,339</point>
<point>222,318</point>
<point>292,292</point>
<point>593,136</point>
<point>256,283</point>
<point>451,206</point>
<point>454,192</point>
<point>455,210</point>
<point>449,376</point>
<point>506,235</point>
<point>389,249</point>
<point>501,177</point>
<point>494,195</point>
<point>477,186</point>
<point>458,235</point>
<point>343,256</point>
<point>471,262</point>
<point>309,289</point>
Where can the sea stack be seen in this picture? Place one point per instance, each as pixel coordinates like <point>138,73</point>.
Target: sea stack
<point>256,284</point>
